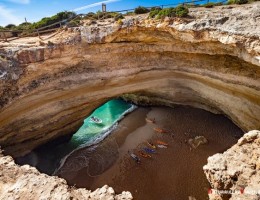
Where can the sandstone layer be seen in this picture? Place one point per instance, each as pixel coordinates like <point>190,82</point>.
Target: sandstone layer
<point>210,60</point>
<point>237,169</point>
<point>25,182</point>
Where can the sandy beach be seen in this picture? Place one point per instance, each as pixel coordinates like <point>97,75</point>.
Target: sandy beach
<point>172,173</point>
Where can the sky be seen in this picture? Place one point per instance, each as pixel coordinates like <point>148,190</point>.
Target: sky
<point>15,11</point>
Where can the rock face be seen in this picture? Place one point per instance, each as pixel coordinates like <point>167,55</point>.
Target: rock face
<point>48,86</point>
<point>26,182</point>
<point>210,61</point>
<point>197,141</point>
<point>237,169</point>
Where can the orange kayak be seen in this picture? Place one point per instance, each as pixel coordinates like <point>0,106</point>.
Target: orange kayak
<point>161,142</point>
<point>159,130</point>
<point>141,153</point>
<point>150,120</point>
<point>151,145</point>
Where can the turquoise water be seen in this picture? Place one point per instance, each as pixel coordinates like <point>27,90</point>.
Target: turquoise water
<point>110,113</point>
<point>51,157</point>
<point>91,133</point>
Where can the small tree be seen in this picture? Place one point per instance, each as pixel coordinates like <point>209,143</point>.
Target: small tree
<point>10,26</point>
<point>181,11</point>
<point>141,10</point>
<point>167,12</point>
<point>154,11</point>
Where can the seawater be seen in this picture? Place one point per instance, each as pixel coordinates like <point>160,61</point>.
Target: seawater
<point>110,113</point>
<point>91,133</point>
<point>52,158</point>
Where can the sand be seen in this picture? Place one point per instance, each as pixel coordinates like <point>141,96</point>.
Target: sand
<point>172,173</point>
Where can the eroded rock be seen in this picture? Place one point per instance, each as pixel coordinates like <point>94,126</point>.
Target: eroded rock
<point>237,169</point>
<point>207,61</point>
<point>27,183</point>
<point>197,141</point>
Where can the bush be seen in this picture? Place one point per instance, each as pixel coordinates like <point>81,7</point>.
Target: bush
<point>156,8</point>
<point>89,15</point>
<point>237,1</point>
<point>153,13</point>
<point>219,4</point>
<point>119,16</point>
<point>209,5</point>
<point>141,10</point>
<point>241,1</point>
<point>181,11</point>
<point>129,13</point>
<point>53,19</point>
<point>73,23</point>
<point>190,5</point>
<point>10,26</point>
<point>167,12</point>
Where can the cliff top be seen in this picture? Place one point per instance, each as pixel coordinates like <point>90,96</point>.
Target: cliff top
<point>242,20</point>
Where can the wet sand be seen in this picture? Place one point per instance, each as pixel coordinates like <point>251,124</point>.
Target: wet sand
<point>172,173</point>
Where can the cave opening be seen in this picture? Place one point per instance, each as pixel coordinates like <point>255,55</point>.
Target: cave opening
<point>175,169</point>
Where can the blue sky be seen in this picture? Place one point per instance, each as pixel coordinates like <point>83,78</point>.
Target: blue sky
<point>14,11</point>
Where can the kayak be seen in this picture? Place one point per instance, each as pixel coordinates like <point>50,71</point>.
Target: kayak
<point>161,142</point>
<point>159,130</point>
<point>162,146</point>
<point>150,120</point>
<point>151,145</point>
<point>96,120</point>
<point>148,150</point>
<point>135,157</point>
<point>141,153</point>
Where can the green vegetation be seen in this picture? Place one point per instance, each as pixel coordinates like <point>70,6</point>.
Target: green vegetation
<point>10,26</point>
<point>191,5</point>
<point>179,11</point>
<point>156,8</point>
<point>237,1</point>
<point>46,21</point>
<point>166,12</point>
<point>129,14</point>
<point>141,10</point>
<point>51,20</point>
<point>154,11</point>
<point>209,5</point>
<point>101,15</point>
<point>119,16</point>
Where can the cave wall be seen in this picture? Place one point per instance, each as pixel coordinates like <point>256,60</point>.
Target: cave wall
<point>49,90</point>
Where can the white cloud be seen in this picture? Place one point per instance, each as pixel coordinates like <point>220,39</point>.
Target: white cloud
<point>7,16</point>
<point>94,5</point>
<point>20,1</point>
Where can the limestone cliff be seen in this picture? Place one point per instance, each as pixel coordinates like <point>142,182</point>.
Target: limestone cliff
<point>237,169</point>
<point>47,86</point>
<point>210,61</point>
<point>26,182</point>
